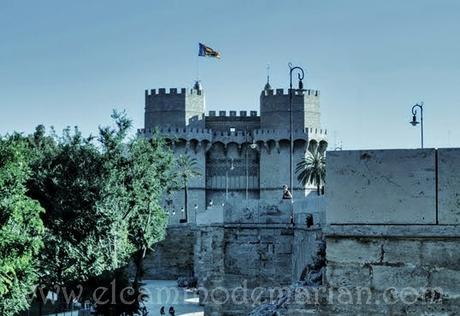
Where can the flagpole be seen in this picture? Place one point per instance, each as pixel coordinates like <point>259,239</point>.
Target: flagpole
<point>197,68</point>
<point>204,51</point>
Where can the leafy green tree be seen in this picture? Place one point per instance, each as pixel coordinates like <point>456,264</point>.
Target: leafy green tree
<point>142,171</point>
<point>68,183</point>
<point>186,170</point>
<point>21,228</point>
<point>102,200</point>
<point>312,170</point>
<point>84,236</point>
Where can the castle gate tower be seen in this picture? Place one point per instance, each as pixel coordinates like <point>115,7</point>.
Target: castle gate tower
<point>240,155</point>
<point>274,136</point>
<point>178,115</point>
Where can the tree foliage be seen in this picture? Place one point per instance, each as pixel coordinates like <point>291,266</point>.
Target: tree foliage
<point>141,172</point>
<point>186,169</point>
<point>101,198</point>
<point>68,181</point>
<point>312,169</point>
<point>21,228</point>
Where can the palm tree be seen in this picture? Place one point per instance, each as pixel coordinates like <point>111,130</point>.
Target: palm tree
<point>187,169</point>
<point>312,169</point>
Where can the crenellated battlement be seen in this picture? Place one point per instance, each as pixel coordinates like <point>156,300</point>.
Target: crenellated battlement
<point>174,108</point>
<point>275,106</point>
<point>266,135</point>
<point>257,132</point>
<point>173,130</point>
<point>239,137</point>
<point>285,92</point>
<point>224,113</point>
<point>318,131</point>
<point>172,92</point>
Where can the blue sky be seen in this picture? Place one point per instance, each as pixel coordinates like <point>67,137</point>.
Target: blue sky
<point>71,62</point>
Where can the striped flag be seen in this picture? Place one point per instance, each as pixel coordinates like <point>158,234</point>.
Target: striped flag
<point>206,51</point>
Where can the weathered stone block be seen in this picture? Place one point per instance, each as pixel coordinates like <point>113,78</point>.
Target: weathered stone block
<point>284,245</point>
<point>447,307</point>
<point>355,309</point>
<point>400,251</point>
<point>210,216</point>
<point>438,253</point>
<point>385,277</point>
<point>381,187</point>
<point>411,232</point>
<point>353,250</point>
<point>283,262</point>
<point>347,275</point>
<point>448,185</point>
<point>172,257</point>
<point>448,280</point>
<point>241,256</point>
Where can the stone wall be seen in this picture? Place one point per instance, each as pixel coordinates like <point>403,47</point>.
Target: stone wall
<point>303,247</point>
<point>393,233</point>
<point>407,269</point>
<point>172,257</point>
<point>241,257</point>
<point>382,187</point>
<point>239,123</point>
<point>254,246</point>
<point>448,170</point>
<point>403,187</point>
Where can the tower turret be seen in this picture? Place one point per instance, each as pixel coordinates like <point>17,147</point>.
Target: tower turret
<point>274,123</point>
<point>267,85</point>
<point>274,109</point>
<point>178,108</point>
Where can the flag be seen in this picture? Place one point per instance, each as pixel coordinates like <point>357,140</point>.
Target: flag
<point>207,51</point>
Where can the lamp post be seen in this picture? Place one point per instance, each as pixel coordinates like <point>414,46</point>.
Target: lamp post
<point>226,179</point>
<point>414,121</point>
<point>300,76</point>
<point>247,164</point>
<point>252,147</point>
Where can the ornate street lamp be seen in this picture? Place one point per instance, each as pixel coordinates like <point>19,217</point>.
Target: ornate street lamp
<point>253,146</point>
<point>414,121</point>
<point>300,76</point>
<point>226,178</point>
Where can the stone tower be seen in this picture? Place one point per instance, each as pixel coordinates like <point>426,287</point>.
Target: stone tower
<point>274,134</point>
<point>175,109</point>
<point>274,109</point>
<point>179,117</point>
<point>240,155</point>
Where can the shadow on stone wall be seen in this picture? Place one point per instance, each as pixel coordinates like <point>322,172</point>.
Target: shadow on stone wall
<point>173,257</point>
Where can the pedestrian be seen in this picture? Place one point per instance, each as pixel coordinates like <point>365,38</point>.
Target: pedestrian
<point>286,193</point>
<point>162,310</point>
<point>172,312</point>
